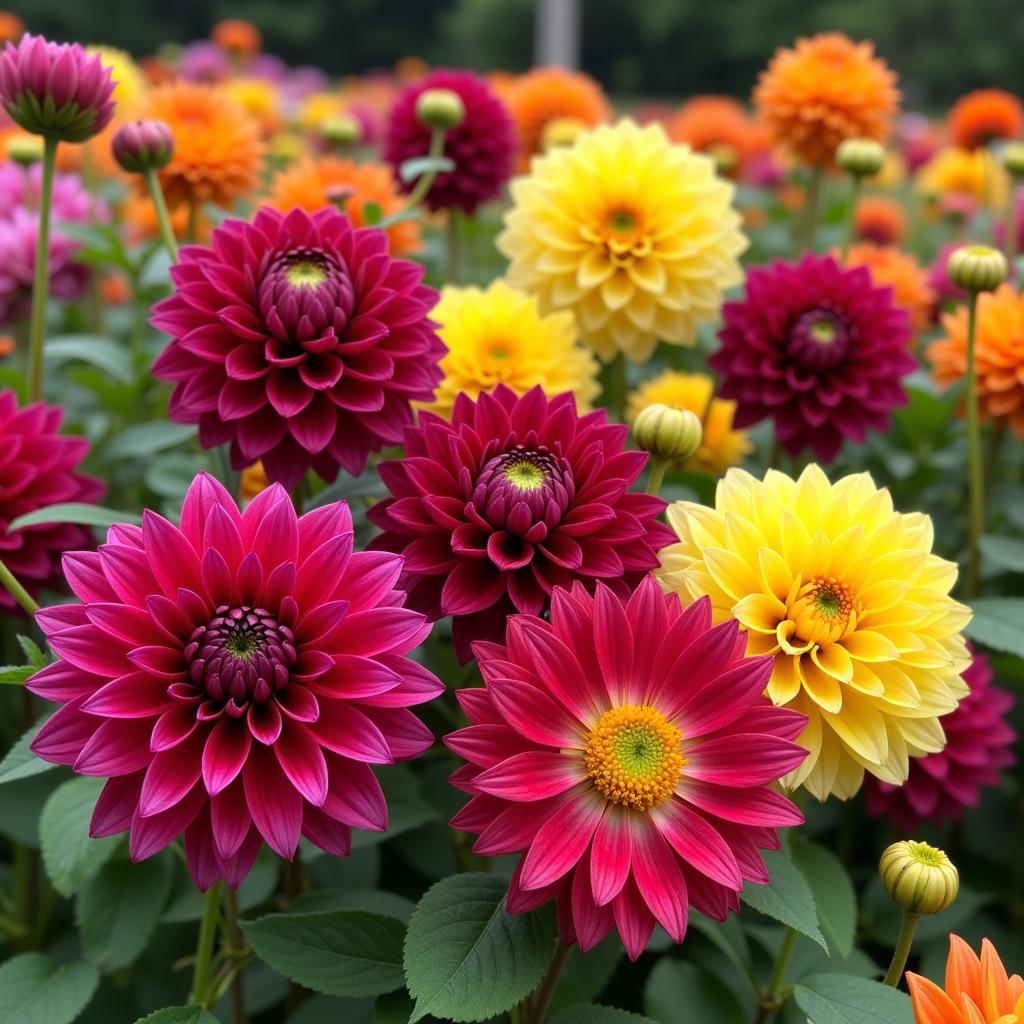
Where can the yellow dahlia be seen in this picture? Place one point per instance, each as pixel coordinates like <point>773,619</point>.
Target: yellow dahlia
<point>959,172</point>
<point>259,98</point>
<point>637,236</point>
<point>130,89</point>
<point>721,446</point>
<point>499,336</point>
<point>847,595</point>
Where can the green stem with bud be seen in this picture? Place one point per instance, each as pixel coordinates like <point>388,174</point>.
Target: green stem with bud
<point>425,181</point>
<point>40,288</point>
<point>975,468</point>
<point>902,951</point>
<point>810,219</point>
<point>17,591</point>
<point>851,224</point>
<point>658,469</point>
<point>163,218</point>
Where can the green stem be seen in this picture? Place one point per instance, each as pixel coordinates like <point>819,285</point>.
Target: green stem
<point>425,181</point>
<point>237,943</point>
<point>540,1001</point>
<point>770,1000</point>
<point>658,470</point>
<point>163,218</point>
<point>810,221</point>
<point>851,224</point>
<point>902,950</point>
<point>974,460</point>
<point>1010,235</point>
<point>203,971</point>
<point>17,591</point>
<point>37,331</point>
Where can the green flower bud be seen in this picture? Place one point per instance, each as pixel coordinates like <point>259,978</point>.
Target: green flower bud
<point>860,158</point>
<point>668,433</point>
<point>440,108</point>
<point>918,877</point>
<point>342,130</point>
<point>25,149</point>
<point>1013,159</point>
<point>977,268</point>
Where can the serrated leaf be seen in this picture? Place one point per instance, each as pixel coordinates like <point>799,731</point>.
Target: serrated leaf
<point>36,658</point>
<point>339,953</point>
<point>466,957</point>
<point>834,897</point>
<point>15,675</point>
<point>146,439</point>
<point>375,901</point>
<point>842,999</point>
<point>19,762</point>
<point>787,897</point>
<point>417,166</point>
<point>106,354</point>
<point>591,1013</point>
<point>75,512</point>
<point>179,1015</point>
<point>678,992</point>
<point>997,622</point>
<point>1006,552</point>
<point>35,990</point>
<point>70,857</point>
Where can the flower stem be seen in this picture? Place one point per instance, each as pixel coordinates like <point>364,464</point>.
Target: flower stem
<point>37,330</point>
<point>899,955</point>
<point>1010,235</point>
<point>163,218</point>
<point>237,943</point>
<point>769,1000</point>
<point>203,972</point>
<point>424,182</point>
<point>976,484</point>
<point>851,224</point>
<point>540,1001</point>
<point>17,591</point>
<point>810,221</point>
<point>658,469</point>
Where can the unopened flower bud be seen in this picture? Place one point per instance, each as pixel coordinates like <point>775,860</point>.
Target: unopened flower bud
<point>561,131</point>
<point>918,877</point>
<point>1013,159</point>
<point>977,268</point>
<point>668,433</point>
<point>141,146</point>
<point>860,158</point>
<point>440,108</point>
<point>341,130</point>
<point>25,149</point>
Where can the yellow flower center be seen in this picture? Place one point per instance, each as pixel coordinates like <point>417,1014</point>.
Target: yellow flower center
<point>633,757</point>
<point>824,611</point>
<point>823,332</point>
<point>620,230</point>
<point>305,274</point>
<point>525,475</point>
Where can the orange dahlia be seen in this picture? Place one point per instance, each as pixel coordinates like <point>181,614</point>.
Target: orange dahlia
<point>240,38</point>
<point>824,90</point>
<point>880,220</point>
<point>901,272</point>
<point>544,94</point>
<point>12,28</point>
<point>718,126</point>
<point>218,152</point>
<point>999,355</point>
<point>313,184</point>
<point>979,117</point>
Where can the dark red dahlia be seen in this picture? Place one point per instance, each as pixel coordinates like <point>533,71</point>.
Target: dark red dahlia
<point>234,679</point>
<point>979,745</point>
<point>482,147</point>
<point>38,467</point>
<point>817,348</point>
<point>300,341</point>
<point>513,497</point>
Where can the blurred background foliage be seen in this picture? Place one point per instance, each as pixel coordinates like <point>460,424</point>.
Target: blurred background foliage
<point>651,48</point>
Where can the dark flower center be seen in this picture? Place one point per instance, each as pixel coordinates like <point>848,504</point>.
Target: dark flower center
<point>820,339</point>
<point>539,479</point>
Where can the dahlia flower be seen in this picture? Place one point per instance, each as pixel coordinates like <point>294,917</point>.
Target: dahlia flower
<point>233,679</point>
<point>633,234</point>
<point>481,147</point>
<point>880,220</point>
<point>847,596</point>
<point>513,497</point>
<point>625,748</point>
<point>204,62</point>
<point>39,467</point>
<point>498,336</point>
<point>979,743</point>
<point>984,116</point>
<point>129,80</point>
<point>720,127</point>
<point>959,173</point>
<point>818,349</point>
<point>298,340</point>
<point>900,271</point>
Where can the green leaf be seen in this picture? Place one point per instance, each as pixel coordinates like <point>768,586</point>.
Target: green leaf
<point>834,896</point>
<point>729,938</point>
<point>394,1008</point>
<point>106,354</point>
<point>372,214</point>
<point>417,166</point>
<point>20,762</point>
<point>375,901</point>
<point>186,902</point>
<point>35,990</point>
<point>1006,552</point>
<point>466,957</point>
<point>586,974</point>
<point>71,858</point>
<point>842,999</point>
<point>590,1013</point>
<point>35,657</point>
<point>996,623</point>
<point>118,910</point>
<point>179,1015</point>
<point>678,992</point>
<point>15,675</point>
<point>786,898</point>
<point>339,953</point>
<point>144,439</point>
<point>75,512</point>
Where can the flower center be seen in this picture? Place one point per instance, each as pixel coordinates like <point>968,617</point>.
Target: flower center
<point>820,339</point>
<point>927,855</point>
<point>306,273</point>
<point>824,611</point>
<point>620,232</point>
<point>525,473</point>
<point>633,757</point>
<point>622,220</point>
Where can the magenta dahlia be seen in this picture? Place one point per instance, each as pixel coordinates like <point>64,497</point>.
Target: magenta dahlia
<point>513,497</point>
<point>300,341</point>
<point>627,750</point>
<point>38,467</point>
<point>979,744</point>
<point>234,679</point>
<point>482,147</point>
<point>817,348</point>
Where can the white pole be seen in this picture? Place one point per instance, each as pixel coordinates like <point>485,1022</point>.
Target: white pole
<point>557,28</point>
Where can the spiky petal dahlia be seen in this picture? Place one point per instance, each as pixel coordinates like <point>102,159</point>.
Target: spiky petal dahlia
<point>234,679</point>
<point>818,349</point>
<point>847,596</point>
<point>984,116</point>
<point>513,497</point>
<point>633,234</point>
<point>38,467</point>
<point>481,147</point>
<point>979,744</point>
<point>625,748</point>
<point>824,90</point>
<point>298,340</point>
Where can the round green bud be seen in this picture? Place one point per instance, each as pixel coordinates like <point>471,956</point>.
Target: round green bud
<point>341,130</point>
<point>920,878</point>
<point>668,433</point>
<point>440,108</point>
<point>977,268</point>
<point>860,158</point>
<point>25,149</point>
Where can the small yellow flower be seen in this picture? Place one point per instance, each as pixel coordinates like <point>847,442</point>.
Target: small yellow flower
<point>131,82</point>
<point>959,172</point>
<point>499,336</point>
<point>259,98</point>
<point>846,594</point>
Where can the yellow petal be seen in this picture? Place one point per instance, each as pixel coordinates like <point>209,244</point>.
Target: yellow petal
<point>760,612</point>
<point>835,660</point>
<point>824,689</point>
<point>867,645</point>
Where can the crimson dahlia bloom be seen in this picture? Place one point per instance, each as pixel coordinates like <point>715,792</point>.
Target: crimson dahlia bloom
<point>234,679</point>
<point>38,467</point>
<point>818,349</point>
<point>300,341</point>
<point>482,147</point>
<point>979,745</point>
<point>626,749</point>
<point>513,497</point>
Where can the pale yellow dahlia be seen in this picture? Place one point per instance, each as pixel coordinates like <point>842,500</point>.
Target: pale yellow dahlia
<point>499,336</point>
<point>847,595</point>
<point>635,235</point>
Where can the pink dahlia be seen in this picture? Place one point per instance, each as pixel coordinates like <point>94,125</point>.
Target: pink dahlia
<point>38,467</point>
<point>234,679</point>
<point>979,744</point>
<point>300,341</point>
<point>513,497</point>
<point>56,89</point>
<point>817,348</point>
<point>481,148</point>
<point>625,748</point>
